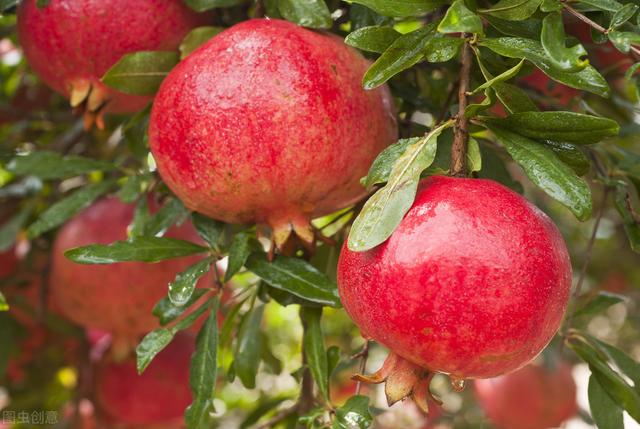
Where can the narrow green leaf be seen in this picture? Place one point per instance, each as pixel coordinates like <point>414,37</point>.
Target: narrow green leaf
<point>631,223</point>
<point>203,5</point>
<point>140,249</point>
<point>624,362</point>
<point>474,109</point>
<point>550,6</point>
<point>383,164</point>
<point>605,411</point>
<point>131,189</point>
<point>197,37</point>
<point>570,155</point>
<point>52,165</point>
<point>383,212</point>
<point>182,288</point>
<point>372,39</point>
<point>622,15</point>
<point>588,79</point>
<point>238,253</point>
<point>514,99</point>
<point>529,28</point>
<point>210,230</point>
<point>4,306</point>
<point>152,344</point>
<point>474,158</point>
<point>295,276</point>
<point>307,13</point>
<point>459,19</point>
<point>314,349</point>
<point>600,302</point>
<point>191,318</point>
<point>141,73</point>
<point>167,312</point>
<point>548,172</point>
<point>172,212</point>
<point>604,5</point>
<point>513,10</point>
<point>66,208</point>
<point>401,8</point>
<point>553,41</point>
<point>404,53</point>
<point>354,414</point>
<point>502,77</point>
<point>247,355</point>
<point>440,49</point>
<point>9,231</point>
<point>624,39</point>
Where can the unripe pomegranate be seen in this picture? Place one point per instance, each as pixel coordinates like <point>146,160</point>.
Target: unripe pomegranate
<point>473,283</point>
<point>116,298</point>
<point>159,396</point>
<point>268,123</point>
<point>70,44</point>
<point>533,397</point>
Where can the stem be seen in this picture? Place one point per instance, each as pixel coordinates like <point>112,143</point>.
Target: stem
<point>364,355</point>
<point>307,398</point>
<point>445,109</point>
<point>587,260</point>
<point>461,131</point>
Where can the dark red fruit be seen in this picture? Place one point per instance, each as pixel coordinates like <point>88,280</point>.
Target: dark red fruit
<point>553,91</point>
<point>531,398</point>
<point>116,298</point>
<point>70,44</point>
<point>268,123</point>
<point>473,283</point>
<point>158,396</point>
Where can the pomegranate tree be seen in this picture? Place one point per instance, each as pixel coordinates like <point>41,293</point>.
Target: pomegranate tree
<point>268,123</point>
<point>117,298</point>
<point>158,396</point>
<point>473,283</point>
<point>70,44</point>
<point>534,397</point>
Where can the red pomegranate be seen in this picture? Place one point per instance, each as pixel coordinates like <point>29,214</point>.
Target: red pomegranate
<point>268,123</point>
<point>159,396</point>
<point>70,44</point>
<point>531,398</point>
<point>473,283</point>
<point>555,91</point>
<point>117,298</point>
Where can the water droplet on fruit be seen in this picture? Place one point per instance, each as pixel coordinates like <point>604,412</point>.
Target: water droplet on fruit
<point>457,384</point>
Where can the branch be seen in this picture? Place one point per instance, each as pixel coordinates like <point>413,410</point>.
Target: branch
<point>461,131</point>
<point>364,355</point>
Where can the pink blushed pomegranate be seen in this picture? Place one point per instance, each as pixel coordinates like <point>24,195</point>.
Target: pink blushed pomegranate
<point>533,397</point>
<point>473,283</point>
<point>268,123</point>
<point>70,44</point>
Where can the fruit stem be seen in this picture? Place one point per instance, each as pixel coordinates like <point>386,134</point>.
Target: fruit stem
<point>461,130</point>
<point>363,355</point>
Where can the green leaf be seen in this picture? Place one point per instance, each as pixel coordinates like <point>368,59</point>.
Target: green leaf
<point>308,13</point>
<point>204,371</point>
<point>52,165</point>
<point>550,6</point>
<point>474,158</point>
<point>139,249</point>
<point>383,164</point>
<point>4,306</point>
<point>553,41</point>
<point>514,99</point>
<point>587,79</point>
<point>247,354</point>
<point>372,39</point>
<point>622,15</point>
<point>141,73</point>
<point>404,53</point>
<point>624,39</point>
<point>548,172</point>
<point>182,288</point>
<point>5,5</point>
<point>383,212</point>
<point>605,5</point>
<point>295,276</point>
<point>66,208</point>
<point>202,5</point>
<point>333,359</point>
<point>354,414</point>
<point>440,49</point>
<point>504,76</point>
<point>238,253</point>
<point>167,312</point>
<point>197,37</point>
<point>570,155</point>
<point>314,350</point>
<point>131,188</point>
<point>168,215</point>
<point>626,364</point>
<point>401,8</point>
<point>600,302</point>
<point>208,229</point>
<point>9,231</point>
<point>605,411</point>
<point>622,201</point>
<point>529,28</point>
<point>560,126</point>
<point>152,344</point>
<point>513,10</point>
<point>474,109</point>
<point>459,19</point>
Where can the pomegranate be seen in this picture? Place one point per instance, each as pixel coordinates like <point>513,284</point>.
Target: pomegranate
<point>473,283</point>
<point>70,44</point>
<point>268,123</point>
<point>117,298</point>
<point>561,94</point>
<point>158,396</point>
<point>532,398</point>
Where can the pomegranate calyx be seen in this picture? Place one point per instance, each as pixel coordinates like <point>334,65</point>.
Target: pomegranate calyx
<point>90,100</point>
<point>293,235</point>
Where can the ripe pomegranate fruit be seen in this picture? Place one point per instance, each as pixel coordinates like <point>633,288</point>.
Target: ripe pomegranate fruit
<point>268,123</point>
<point>533,397</point>
<point>70,44</point>
<point>158,396</point>
<point>473,283</point>
<point>117,298</point>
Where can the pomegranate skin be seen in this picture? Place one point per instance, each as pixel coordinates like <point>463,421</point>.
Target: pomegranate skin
<point>159,396</point>
<point>69,43</point>
<point>473,282</point>
<point>268,123</point>
<point>117,298</point>
<point>532,398</point>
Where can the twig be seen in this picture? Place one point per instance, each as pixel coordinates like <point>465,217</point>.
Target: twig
<point>461,131</point>
<point>364,355</point>
<point>447,104</point>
